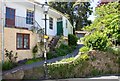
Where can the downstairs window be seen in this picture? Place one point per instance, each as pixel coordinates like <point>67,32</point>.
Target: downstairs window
<point>23,41</point>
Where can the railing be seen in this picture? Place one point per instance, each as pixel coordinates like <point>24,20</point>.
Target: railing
<point>21,22</point>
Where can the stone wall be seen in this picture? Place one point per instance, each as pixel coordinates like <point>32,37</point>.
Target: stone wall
<point>32,73</point>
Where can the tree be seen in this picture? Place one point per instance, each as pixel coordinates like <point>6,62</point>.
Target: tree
<point>78,12</point>
<point>107,22</point>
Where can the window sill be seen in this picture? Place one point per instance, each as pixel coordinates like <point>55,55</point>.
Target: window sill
<point>23,48</point>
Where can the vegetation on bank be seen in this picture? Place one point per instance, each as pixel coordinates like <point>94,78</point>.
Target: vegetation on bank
<point>100,55</point>
<point>64,49</point>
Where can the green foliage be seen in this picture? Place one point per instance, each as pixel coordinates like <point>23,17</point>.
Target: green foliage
<point>95,72</point>
<point>118,60</point>
<point>7,65</point>
<point>84,49</point>
<point>97,41</point>
<point>107,21</point>
<point>31,61</point>
<point>67,70</point>
<point>34,51</point>
<point>51,55</point>
<point>114,50</point>
<point>67,60</point>
<point>84,57</point>
<point>82,9</point>
<point>61,51</point>
<point>72,40</point>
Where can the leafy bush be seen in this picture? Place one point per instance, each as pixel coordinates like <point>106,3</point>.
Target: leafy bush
<point>67,60</point>
<point>51,55</point>
<point>72,40</point>
<point>34,51</point>
<point>84,57</point>
<point>7,65</point>
<point>97,41</point>
<point>114,50</point>
<point>67,70</point>
<point>95,72</point>
<point>63,46</point>
<point>61,51</point>
<point>84,49</point>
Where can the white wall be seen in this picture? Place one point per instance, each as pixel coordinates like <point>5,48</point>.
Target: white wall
<point>21,9</point>
<point>65,28</point>
<point>53,31</point>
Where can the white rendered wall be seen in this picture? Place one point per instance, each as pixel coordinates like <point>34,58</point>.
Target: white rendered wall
<point>21,9</point>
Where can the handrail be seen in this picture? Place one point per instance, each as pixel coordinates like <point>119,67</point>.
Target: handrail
<point>21,23</point>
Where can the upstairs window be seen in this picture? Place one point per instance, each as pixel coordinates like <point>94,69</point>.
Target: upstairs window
<point>50,22</point>
<point>30,17</point>
<point>23,41</point>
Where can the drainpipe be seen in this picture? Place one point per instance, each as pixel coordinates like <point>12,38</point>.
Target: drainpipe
<point>2,25</point>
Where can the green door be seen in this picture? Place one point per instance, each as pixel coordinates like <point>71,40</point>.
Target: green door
<point>60,28</point>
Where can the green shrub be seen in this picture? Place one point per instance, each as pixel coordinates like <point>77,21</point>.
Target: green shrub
<point>31,61</point>
<point>84,49</point>
<point>97,41</point>
<point>66,70</point>
<point>34,51</point>
<point>7,65</point>
<point>95,72</point>
<point>63,46</point>
<point>61,51</point>
<point>84,57</point>
<point>118,60</point>
<point>72,40</point>
<point>67,60</point>
<point>51,55</point>
<point>114,50</point>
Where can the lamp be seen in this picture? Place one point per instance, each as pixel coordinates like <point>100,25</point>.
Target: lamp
<point>46,8</point>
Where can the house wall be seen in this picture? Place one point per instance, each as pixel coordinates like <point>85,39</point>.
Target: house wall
<point>10,42</point>
<point>70,28</point>
<point>65,28</point>
<point>52,32</point>
<point>21,9</point>
<point>10,33</point>
<point>0,30</point>
<point>0,48</point>
<point>39,15</point>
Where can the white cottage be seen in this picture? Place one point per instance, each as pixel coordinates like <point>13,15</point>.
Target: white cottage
<point>19,19</point>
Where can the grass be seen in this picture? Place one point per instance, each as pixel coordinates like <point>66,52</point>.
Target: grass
<point>31,61</point>
<point>67,60</point>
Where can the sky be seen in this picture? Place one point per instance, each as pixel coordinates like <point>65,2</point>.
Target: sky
<point>93,4</point>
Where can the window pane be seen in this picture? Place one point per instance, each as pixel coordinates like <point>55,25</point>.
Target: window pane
<point>29,17</point>
<point>19,41</point>
<point>26,41</point>
<point>51,23</point>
